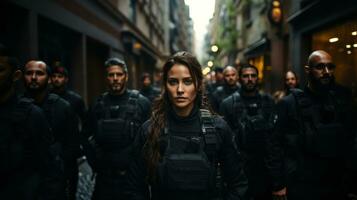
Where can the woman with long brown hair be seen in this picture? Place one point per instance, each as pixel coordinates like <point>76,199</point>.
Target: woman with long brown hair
<point>183,143</point>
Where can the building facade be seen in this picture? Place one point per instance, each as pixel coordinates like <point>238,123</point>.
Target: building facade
<point>181,27</point>
<point>82,34</point>
<point>278,35</point>
<point>244,32</point>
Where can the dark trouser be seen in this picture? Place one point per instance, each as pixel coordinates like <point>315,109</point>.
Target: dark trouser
<point>72,183</point>
<point>259,187</point>
<point>318,178</point>
<point>71,179</point>
<point>109,186</point>
<point>313,191</point>
<point>53,188</point>
<point>20,186</point>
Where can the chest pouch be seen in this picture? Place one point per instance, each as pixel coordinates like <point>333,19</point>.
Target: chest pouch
<point>256,132</point>
<point>113,134</point>
<point>255,129</point>
<point>253,121</point>
<point>186,169</point>
<point>186,164</point>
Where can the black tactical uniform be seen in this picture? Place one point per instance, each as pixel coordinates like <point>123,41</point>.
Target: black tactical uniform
<point>64,126</point>
<point>252,119</point>
<point>24,146</point>
<point>312,144</point>
<point>113,122</point>
<point>211,87</point>
<point>76,102</point>
<point>220,94</point>
<point>191,148</point>
<point>150,92</point>
<point>78,107</point>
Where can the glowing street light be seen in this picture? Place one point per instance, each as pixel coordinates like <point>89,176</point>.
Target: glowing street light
<point>210,63</point>
<point>332,40</point>
<point>214,48</point>
<point>206,70</point>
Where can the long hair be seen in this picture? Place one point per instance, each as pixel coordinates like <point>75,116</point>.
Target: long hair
<point>158,117</point>
<point>286,87</point>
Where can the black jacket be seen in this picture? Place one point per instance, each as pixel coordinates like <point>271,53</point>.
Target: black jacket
<point>150,92</point>
<point>228,157</point>
<point>76,102</point>
<point>64,125</point>
<point>305,160</point>
<point>24,141</point>
<point>98,112</point>
<point>65,147</point>
<point>219,94</point>
<point>252,120</point>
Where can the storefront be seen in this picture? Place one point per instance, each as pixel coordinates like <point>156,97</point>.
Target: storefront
<point>329,26</point>
<point>80,35</point>
<point>258,54</point>
<point>340,40</point>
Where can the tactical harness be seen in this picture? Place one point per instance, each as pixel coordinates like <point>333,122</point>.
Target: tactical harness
<point>116,132</point>
<point>252,122</point>
<point>318,138</point>
<point>194,170</point>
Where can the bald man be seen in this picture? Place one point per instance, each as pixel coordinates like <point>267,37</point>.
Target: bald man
<point>63,123</point>
<point>312,144</point>
<point>229,87</point>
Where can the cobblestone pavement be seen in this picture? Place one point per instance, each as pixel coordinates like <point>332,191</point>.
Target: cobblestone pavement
<point>85,180</point>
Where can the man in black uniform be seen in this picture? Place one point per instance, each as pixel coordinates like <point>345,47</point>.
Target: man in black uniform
<point>64,126</point>
<point>311,147</point>
<point>147,89</point>
<point>59,80</point>
<point>112,124</point>
<point>251,115</point>
<point>229,87</point>
<point>24,138</point>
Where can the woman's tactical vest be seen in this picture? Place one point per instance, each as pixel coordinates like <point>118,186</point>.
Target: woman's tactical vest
<point>189,162</point>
